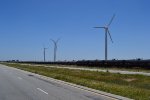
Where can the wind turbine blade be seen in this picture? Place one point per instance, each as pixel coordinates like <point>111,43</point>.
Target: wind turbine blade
<point>58,40</point>
<point>98,27</point>
<point>111,20</point>
<point>52,40</point>
<point>110,36</point>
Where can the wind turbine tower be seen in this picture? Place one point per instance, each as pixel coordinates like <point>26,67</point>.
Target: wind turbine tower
<point>44,53</point>
<point>55,47</point>
<point>107,32</point>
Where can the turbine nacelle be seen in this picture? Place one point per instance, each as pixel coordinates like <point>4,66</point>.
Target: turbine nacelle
<point>107,32</point>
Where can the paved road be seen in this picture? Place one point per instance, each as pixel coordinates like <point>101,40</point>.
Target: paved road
<point>18,85</point>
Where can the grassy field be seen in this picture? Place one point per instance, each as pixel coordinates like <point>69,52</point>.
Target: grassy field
<point>133,86</point>
<point>103,68</point>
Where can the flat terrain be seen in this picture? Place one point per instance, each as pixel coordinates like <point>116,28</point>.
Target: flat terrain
<point>17,85</point>
<point>131,86</point>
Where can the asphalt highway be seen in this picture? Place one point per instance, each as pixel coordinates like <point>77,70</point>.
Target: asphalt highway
<point>17,85</point>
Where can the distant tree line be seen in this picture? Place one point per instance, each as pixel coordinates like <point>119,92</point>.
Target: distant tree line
<point>138,63</point>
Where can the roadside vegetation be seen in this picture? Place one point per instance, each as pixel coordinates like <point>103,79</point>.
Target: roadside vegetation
<point>101,68</point>
<point>132,86</point>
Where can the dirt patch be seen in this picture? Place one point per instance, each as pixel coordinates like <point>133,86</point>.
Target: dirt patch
<point>130,79</point>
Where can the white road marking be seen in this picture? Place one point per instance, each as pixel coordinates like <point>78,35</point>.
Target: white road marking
<point>104,94</point>
<point>20,78</point>
<point>42,90</point>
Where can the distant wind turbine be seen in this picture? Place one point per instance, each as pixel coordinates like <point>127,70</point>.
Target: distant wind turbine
<point>55,47</point>
<point>44,53</point>
<point>107,32</point>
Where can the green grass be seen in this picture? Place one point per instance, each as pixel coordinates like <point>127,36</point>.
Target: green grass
<point>133,86</point>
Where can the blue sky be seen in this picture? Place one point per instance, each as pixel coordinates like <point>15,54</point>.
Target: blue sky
<point>27,25</point>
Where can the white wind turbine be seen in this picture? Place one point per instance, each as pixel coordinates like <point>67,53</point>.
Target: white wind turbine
<point>107,32</point>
